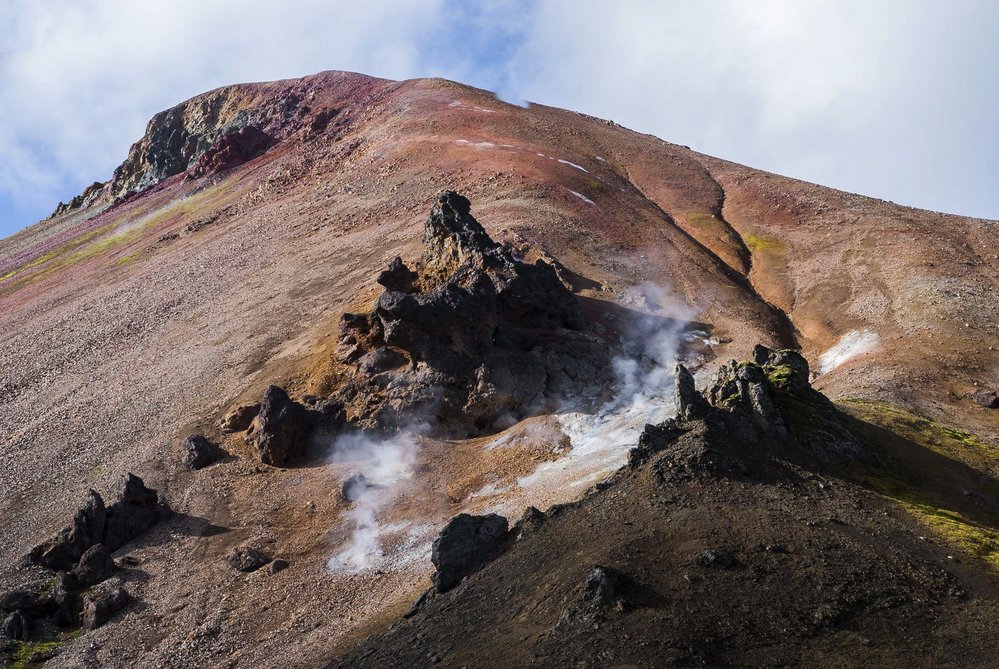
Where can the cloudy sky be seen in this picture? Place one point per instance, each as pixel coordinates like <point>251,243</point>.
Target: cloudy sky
<point>895,99</point>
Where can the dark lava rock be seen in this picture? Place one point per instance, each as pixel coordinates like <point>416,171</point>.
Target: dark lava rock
<point>604,588</point>
<point>465,545</point>
<point>603,597</point>
<point>15,626</point>
<point>281,430</point>
<point>397,276</point>
<point>239,419</point>
<point>354,487</point>
<point>136,509</point>
<point>277,565</point>
<point>247,559</point>
<point>986,398</point>
<point>64,597</point>
<point>101,603</point>
<point>95,566</point>
<point>472,336</point>
<point>199,451</point>
<point>689,403</point>
<point>33,600</point>
<point>86,529</point>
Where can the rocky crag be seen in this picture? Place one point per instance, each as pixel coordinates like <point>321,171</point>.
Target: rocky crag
<point>472,338</point>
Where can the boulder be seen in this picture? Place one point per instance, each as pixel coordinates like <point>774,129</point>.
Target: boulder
<point>102,602</point>
<point>15,626</point>
<point>247,559</point>
<point>239,418</point>
<point>397,277</point>
<point>135,511</point>
<point>986,398</point>
<point>465,545</point>
<point>95,566</point>
<point>199,451</point>
<point>64,597</point>
<point>32,600</point>
<point>280,431</point>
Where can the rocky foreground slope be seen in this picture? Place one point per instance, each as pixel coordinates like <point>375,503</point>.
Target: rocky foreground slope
<point>736,536</point>
<point>256,315</point>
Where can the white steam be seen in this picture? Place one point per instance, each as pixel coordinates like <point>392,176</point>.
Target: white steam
<point>386,465</point>
<point>643,393</point>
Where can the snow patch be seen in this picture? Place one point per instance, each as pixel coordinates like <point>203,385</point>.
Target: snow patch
<point>581,197</point>
<point>851,345</point>
<point>570,164</point>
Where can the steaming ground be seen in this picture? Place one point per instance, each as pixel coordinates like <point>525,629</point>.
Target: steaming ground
<point>417,484</point>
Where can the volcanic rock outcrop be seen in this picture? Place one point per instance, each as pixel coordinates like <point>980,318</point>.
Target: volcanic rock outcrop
<point>729,541</point>
<point>135,510</point>
<point>472,337</point>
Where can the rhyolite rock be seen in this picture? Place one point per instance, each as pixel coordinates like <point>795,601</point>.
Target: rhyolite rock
<point>465,545</point>
<point>239,418</point>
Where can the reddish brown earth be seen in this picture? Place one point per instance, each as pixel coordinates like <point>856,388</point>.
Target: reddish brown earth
<point>140,317</point>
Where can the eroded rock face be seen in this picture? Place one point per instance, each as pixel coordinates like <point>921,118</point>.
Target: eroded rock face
<point>465,545</point>
<point>472,337</point>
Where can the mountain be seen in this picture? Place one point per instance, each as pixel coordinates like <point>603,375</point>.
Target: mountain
<point>238,272</point>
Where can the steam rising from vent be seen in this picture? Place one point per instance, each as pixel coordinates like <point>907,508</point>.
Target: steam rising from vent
<point>386,465</point>
<point>643,393</point>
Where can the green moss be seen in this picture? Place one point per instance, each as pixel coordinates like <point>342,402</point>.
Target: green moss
<point>923,465</point>
<point>130,258</point>
<point>763,243</point>
<point>973,538</point>
<point>942,439</point>
<point>780,376</point>
<point>31,653</point>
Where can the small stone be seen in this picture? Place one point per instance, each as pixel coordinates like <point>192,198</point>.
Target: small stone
<point>276,566</point>
<point>247,559</point>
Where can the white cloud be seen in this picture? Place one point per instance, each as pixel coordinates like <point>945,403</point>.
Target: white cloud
<point>894,99</point>
<point>80,79</point>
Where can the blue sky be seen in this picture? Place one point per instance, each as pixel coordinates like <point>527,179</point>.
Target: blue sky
<point>894,99</point>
